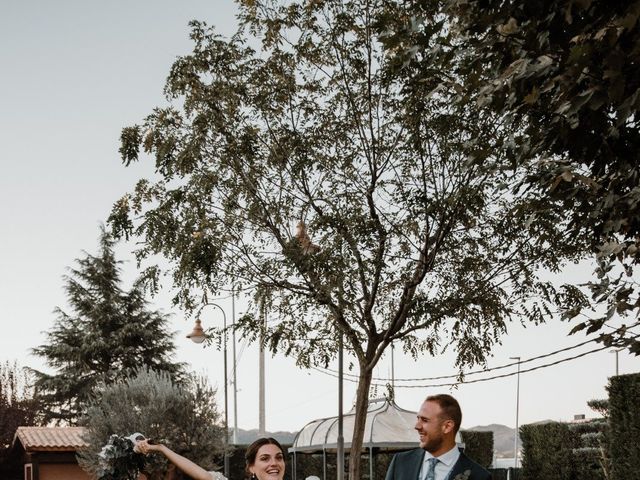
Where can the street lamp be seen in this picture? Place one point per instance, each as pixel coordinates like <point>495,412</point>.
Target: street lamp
<point>616,351</point>
<point>340,449</point>
<point>515,440</point>
<point>197,335</point>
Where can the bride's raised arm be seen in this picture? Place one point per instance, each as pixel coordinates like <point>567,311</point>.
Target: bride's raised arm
<point>187,466</point>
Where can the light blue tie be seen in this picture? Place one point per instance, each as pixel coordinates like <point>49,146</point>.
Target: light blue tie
<point>431,471</point>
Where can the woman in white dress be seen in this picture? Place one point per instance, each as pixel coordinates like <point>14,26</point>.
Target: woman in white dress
<point>264,460</point>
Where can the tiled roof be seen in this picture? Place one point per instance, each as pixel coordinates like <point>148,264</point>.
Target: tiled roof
<point>51,439</point>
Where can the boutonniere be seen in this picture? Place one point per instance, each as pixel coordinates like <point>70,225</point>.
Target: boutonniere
<point>463,476</point>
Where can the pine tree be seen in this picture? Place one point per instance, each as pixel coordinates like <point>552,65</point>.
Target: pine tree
<point>110,333</point>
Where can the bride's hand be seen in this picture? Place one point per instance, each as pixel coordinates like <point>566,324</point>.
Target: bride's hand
<point>144,447</point>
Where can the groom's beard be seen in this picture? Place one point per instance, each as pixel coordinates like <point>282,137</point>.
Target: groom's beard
<point>432,443</point>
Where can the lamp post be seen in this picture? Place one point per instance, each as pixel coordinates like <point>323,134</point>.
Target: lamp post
<point>340,449</point>
<point>515,440</point>
<point>616,351</point>
<point>262,425</point>
<point>235,367</point>
<point>197,335</point>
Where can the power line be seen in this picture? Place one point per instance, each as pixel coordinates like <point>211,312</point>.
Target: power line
<point>480,379</point>
<point>499,367</point>
<point>442,377</point>
<point>504,375</point>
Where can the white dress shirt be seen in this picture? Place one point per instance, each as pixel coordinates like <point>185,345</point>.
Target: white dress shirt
<point>443,467</point>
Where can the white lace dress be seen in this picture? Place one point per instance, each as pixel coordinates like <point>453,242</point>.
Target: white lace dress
<point>217,476</point>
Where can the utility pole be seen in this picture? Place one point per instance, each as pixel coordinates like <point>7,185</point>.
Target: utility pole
<point>616,351</point>
<point>515,440</point>
<point>340,452</point>
<point>235,367</point>
<point>261,417</point>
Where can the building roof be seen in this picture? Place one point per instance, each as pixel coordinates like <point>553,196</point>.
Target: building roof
<point>51,439</point>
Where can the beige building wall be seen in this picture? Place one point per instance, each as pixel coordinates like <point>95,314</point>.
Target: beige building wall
<point>62,471</point>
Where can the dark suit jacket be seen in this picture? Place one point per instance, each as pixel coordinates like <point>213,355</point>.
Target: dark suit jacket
<point>406,466</point>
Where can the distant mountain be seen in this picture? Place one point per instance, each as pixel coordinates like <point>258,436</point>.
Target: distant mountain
<point>503,438</point>
<point>245,437</point>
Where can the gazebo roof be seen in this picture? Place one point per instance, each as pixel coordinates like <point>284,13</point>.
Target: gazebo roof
<point>388,427</point>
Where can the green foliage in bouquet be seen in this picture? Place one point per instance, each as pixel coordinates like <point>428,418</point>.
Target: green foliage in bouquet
<point>118,460</point>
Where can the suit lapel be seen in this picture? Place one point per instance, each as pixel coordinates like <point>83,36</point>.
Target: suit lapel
<point>416,464</point>
<point>460,467</point>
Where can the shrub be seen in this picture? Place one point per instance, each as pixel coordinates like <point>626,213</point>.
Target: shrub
<point>624,423</point>
<point>547,451</point>
<point>184,417</point>
<point>478,446</point>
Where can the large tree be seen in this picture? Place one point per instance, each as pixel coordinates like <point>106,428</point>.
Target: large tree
<point>109,333</point>
<point>568,74</point>
<point>350,197</point>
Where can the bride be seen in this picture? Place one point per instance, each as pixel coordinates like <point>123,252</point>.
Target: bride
<point>264,460</point>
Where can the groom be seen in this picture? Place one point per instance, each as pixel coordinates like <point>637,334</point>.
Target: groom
<point>438,457</point>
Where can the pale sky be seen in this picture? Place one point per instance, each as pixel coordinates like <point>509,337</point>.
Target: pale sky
<point>73,74</point>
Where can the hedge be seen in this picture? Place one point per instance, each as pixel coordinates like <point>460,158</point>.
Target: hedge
<point>547,451</point>
<point>624,424</point>
<point>478,446</point>
<point>561,451</point>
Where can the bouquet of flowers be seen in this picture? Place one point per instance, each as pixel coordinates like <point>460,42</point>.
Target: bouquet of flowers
<point>119,458</point>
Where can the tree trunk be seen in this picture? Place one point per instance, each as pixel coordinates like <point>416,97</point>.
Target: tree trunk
<point>362,405</point>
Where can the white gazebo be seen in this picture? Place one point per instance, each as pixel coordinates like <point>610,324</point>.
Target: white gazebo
<point>388,428</point>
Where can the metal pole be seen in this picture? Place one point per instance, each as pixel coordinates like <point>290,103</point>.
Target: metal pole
<point>371,463</point>
<point>324,464</point>
<point>616,351</point>
<point>393,371</point>
<point>261,417</point>
<point>226,403</point>
<point>515,440</point>
<point>235,368</point>
<point>295,466</point>
<point>340,452</point>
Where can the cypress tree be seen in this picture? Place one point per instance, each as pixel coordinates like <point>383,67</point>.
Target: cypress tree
<point>109,333</point>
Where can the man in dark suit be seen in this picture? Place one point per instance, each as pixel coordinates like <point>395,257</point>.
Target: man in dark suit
<point>438,457</point>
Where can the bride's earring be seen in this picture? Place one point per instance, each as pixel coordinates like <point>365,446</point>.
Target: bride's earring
<point>253,476</point>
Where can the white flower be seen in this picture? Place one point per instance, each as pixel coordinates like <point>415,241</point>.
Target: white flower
<point>106,450</point>
<point>463,476</point>
<point>134,438</point>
